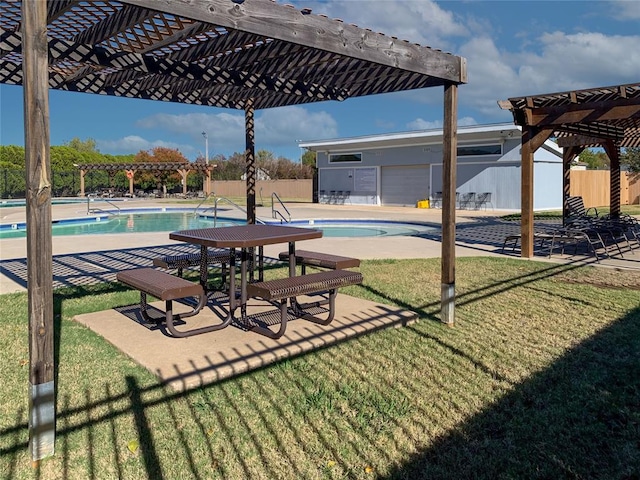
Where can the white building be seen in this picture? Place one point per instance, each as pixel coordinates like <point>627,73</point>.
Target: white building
<point>403,168</point>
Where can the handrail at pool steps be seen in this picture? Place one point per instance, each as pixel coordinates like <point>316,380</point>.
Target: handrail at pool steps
<point>195,210</point>
<point>230,202</point>
<point>275,213</point>
<point>96,210</point>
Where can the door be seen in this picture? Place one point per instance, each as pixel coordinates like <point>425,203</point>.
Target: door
<point>404,185</point>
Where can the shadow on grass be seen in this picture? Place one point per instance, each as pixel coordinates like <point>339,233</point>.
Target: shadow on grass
<point>579,418</point>
<point>576,419</point>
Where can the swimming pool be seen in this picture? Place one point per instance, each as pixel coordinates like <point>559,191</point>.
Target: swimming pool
<point>170,220</point>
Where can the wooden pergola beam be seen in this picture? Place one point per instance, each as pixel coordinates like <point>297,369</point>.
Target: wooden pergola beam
<point>583,113</point>
<point>263,17</point>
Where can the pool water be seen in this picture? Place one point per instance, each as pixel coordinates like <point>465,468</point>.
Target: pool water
<point>141,222</point>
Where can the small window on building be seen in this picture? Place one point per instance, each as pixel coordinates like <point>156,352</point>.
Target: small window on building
<point>345,157</point>
<point>479,150</point>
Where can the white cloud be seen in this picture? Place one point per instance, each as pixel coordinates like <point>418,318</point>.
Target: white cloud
<point>564,62</point>
<point>277,127</point>
<point>420,124</point>
<point>625,9</point>
<point>134,143</point>
<point>419,21</point>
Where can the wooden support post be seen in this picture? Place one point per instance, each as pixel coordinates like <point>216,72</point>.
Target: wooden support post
<point>39,243</point>
<point>613,152</point>
<point>82,174</point>
<point>130,175</point>
<point>250,162</point>
<point>183,175</point>
<point>449,160</point>
<point>532,139</point>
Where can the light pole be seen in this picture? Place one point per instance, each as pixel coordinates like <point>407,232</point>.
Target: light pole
<point>206,147</point>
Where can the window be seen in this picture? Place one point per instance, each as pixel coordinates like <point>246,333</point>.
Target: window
<point>345,157</point>
<point>473,150</point>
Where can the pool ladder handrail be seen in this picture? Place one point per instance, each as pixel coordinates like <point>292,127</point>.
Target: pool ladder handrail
<point>97,210</point>
<point>275,213</point>
<point>195,210</point>
<point>230,202</point>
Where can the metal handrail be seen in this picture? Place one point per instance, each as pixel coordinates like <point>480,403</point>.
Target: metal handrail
<point>195,210</point>
<point>89,211</point>
<point>275,213</point>
<point>230,202</point>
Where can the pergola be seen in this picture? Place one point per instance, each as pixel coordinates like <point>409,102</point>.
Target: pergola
<point>155,168</point>
<point>241,54</point>
<point>607,117</point>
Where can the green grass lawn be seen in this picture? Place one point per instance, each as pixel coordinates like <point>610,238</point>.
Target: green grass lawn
<point>539,378</point>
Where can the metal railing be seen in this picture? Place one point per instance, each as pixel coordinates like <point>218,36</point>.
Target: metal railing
<point>230,202</point>
<point>275,213</point>
<point>96,210</point>
<point>195,210</point>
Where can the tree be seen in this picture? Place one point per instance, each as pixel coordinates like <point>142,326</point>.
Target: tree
<point>631,157</point>
<point>309,158</point>
<point>160,178</point>
<point>594,160</point>
<point>88,145</point>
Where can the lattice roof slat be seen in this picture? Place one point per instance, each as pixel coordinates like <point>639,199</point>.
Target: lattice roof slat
<point>147,166</point>
<point>605,113</point>
<point>273,54</point>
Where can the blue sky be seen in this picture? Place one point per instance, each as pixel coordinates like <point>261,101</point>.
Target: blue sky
<point>513,48</point>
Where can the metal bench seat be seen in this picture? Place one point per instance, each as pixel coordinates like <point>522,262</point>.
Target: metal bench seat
<point>167,287</point>
<point>288,288</point>
<point>322,260</point>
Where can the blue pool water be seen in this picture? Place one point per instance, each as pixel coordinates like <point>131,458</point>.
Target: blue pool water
<point>136,221</point>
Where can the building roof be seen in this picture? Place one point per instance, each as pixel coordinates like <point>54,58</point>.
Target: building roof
<point>419,137</point>
<point>223,53</point>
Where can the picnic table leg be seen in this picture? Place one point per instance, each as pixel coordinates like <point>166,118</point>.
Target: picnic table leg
<point>244,256</point>
<point>204,266</point>
<point>261,263</point>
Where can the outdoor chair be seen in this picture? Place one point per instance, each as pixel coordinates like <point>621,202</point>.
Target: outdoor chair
<point>347,196</point>
<point>322,196</point>
<point>332,197</point>
<point>436,200</point>
<point>576,209</point>
<point>339,196</point>
<point>483,199</point>
<point>607,233</point>
<point>467,200</point>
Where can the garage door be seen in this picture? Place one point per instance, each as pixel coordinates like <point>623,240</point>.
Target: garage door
<point>404,185</point>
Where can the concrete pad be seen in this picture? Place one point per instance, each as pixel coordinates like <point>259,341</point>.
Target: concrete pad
<point>185,363</point>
